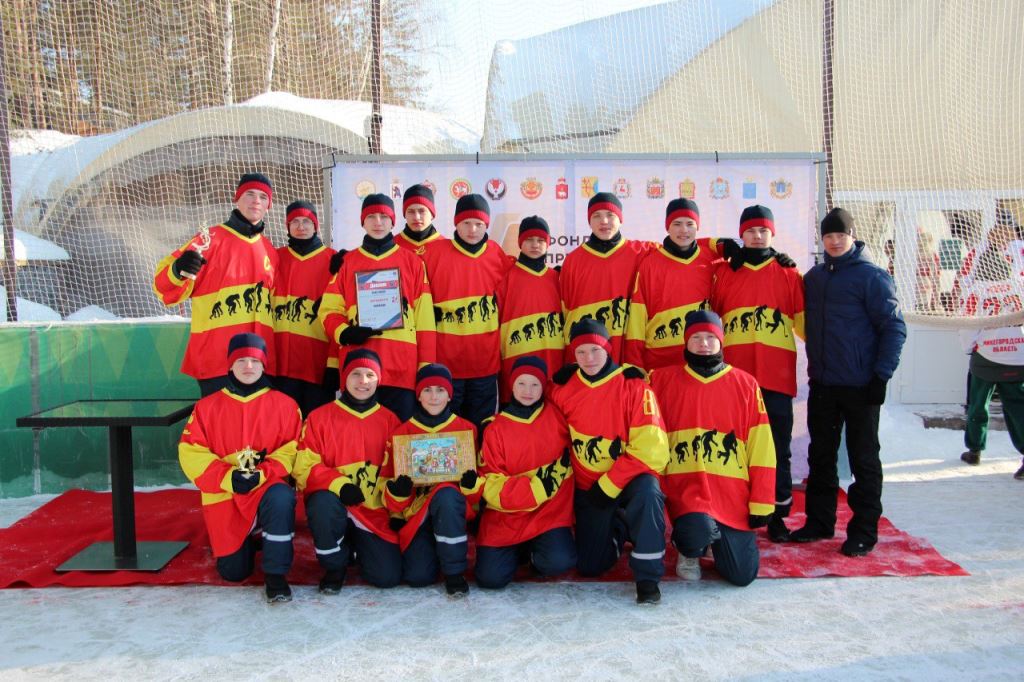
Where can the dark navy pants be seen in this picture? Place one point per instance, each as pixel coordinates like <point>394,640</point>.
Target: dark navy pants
<point>551,553</point>
<point>475,399</point>
<point>401,401</point>
<point>335,535</point>
<point>779,407</point>
<point>441,541</point>
<point>601,531</point>
<point>735,551</point>
<point>276,517</point>
<point>309,396</point>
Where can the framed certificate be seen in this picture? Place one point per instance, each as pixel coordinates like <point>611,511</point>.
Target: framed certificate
<point>379,299</point>
<point>429,458</point>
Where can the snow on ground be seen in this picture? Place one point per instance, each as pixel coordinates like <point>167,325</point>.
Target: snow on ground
<point>930,628</point>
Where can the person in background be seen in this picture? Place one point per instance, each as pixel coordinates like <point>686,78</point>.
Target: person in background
<point>855,333</point>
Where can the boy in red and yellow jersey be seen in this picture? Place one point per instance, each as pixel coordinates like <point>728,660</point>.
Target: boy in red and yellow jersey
<point>528,486</point>
<point>597,278</point>
<point>431,519</point>
<point>720,480</point>
<point>300,343</point>
<point>419,212</point>
<point>465,273</point>
<point>619,449</point>
<point>409,344</point>
<point>530,305</point>
<point>228,433</point>
<point>671,282</point>
<point>341,468</point>
<point>761,303</point>
<point>229,279</point>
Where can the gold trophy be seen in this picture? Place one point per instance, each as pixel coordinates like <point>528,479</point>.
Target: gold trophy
<point>205,239</point>
<point>249,459</point>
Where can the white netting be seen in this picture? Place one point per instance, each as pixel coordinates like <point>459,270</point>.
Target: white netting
<point>131,121</point>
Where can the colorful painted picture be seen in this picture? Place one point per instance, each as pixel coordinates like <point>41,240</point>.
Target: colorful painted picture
<point>429,458</point>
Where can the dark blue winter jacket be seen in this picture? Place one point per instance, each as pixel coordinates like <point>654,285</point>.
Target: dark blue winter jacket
<point>854,326</point>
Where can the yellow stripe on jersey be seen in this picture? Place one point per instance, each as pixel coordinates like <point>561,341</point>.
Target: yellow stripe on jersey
<point>610,313</point>
<point>298,315</point>
<point>531,333</point>
<point>761,324</point>
<point>231,306</point>
<point>721,454</point>
<point>466,316</point>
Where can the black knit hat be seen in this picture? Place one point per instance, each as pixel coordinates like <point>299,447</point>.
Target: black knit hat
<point>254,181</point>
<point>589,330</point>
<point>604,201</point>
<point>361,357</point>
<point>837,220</point>
<point>377,203</point>
<point>301,209</point>
<point>703,321</point>
<point>681,208</point>
<point>433,374</point>
<point>757,216</point>
<point>419,194</point>
<point>529,364</point>
<point>472,207</point>
<point>247,345</point>
<point>534,226</point>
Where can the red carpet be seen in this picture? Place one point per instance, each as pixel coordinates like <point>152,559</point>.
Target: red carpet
<point>34,546</point>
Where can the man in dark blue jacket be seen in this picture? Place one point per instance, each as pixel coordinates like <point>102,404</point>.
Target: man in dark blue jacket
<point>855,332</point>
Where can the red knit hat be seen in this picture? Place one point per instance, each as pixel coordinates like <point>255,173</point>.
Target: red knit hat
<point>589,331</point>
<point>703,321</point>
<point>681,208</point>
<point>301,209</point>
<point>361,357</point>
<point>534,226</point>
<point>757,216</point>
<point>472,207</point>
<point>257,181</point>
<point>604,201</point>
<point>434,375</point>
<point>247,345</point>
<point>532,365</point>
<point>419,194</point>
<point>377,203</point>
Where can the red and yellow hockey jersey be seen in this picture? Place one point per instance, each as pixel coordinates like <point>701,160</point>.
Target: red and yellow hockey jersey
<point>300,343</point>
<point>667,288</point>
<point>418,248</point>
<point>414,507</point>
<point>221,426</point>
<point>527,483</point>
<point>230,295</point>
<point>762,307</point>
<point>401,350</point>
<point>465,288</point>
<point>340,445</point>
<point>721,453</point>
<point>616,429</point>
<point>531,320</point>
<point>598,285</point>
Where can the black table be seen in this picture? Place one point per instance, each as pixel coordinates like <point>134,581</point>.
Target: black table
<point>119,416</point>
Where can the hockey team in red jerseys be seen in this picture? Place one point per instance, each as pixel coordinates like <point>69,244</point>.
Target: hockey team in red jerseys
<point>554,419</point>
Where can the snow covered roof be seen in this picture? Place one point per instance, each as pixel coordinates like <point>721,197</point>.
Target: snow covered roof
<point>28,247</point>
<point>91,313</point>
<point>28,311</point>
<point>588,79</point>
<point>46,166</point>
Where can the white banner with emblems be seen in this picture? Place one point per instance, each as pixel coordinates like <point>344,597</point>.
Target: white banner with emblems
<point>558,191</point>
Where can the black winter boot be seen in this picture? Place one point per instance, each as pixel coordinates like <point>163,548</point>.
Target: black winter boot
<point>277,589</point>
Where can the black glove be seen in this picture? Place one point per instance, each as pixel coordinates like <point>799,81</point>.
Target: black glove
<point>597,497</point>
<point>400,487</point>
<point>468,480</point>
<point>758,520</point>
<point>874,392</point>
<point>730,249</point>
<point>558,268</point>
<point>331,381</point>
<point>632,372</point>
<point>336,260</point>
<point>736,262</point>
<point>396,523</point>
<point>242,484</point>
<point>350,494</point>
<point>784,260</point>
<point>355,335</point>
<point>190,262</point>
<point>563,375</point>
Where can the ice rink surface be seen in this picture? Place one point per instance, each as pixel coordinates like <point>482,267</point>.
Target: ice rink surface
<point>933,628</point>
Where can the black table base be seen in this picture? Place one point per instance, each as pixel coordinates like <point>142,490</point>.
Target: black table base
<point>100,556</point>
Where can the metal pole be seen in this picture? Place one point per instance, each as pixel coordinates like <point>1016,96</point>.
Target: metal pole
<point>827,99</point>
<point>6,202</point>
<point>376,82</point>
